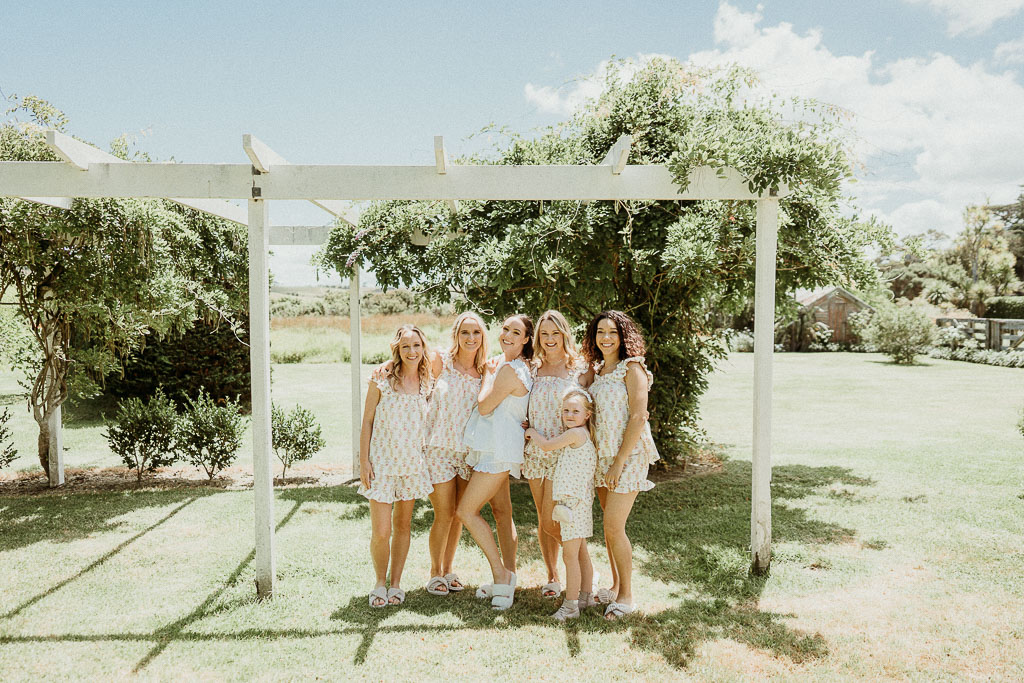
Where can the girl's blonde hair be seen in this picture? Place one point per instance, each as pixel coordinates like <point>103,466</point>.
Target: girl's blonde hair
<point>588,403</point>
<point>481,353</point>
<point>572,356</point>
<point>394,373</point>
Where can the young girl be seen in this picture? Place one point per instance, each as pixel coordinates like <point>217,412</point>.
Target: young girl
<point>573,494</point>
<point>557,367</point>
<point>393,473</point>
<point>619,381</point>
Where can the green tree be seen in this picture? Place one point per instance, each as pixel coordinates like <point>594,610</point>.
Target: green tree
<point>669,264</point>
<point>93,282</point>
<point>143,433</point>
<point>900,330</point>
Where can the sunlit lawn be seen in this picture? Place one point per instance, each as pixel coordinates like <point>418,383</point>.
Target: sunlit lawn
<point>897,524</point>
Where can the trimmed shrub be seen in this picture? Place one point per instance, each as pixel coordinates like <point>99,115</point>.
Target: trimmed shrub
<point>209,435</point>
<point>741,341</point>
<point>143,433</point>
<point>295,436</point>
<point>902,332</point>
<point>1005,307</point>
<point>7,451</point>
<point>1006,359</point>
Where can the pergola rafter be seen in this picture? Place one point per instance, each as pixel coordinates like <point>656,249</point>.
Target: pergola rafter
<point>270,177</point>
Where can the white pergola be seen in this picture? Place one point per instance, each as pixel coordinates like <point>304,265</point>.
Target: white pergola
<point>89,172</point>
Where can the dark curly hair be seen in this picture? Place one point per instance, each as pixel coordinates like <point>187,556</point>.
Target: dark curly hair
<point>528,323</point>
<point>631,339</point>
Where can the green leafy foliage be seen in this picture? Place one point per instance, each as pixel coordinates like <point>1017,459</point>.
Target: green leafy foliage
<point>210,434</point>
<point>7,450</point>
<point>296,436</point>
<point>900,331</point>
<point>672,266</point>
<point>1005,359</point>
<point>93,282</point>
<point>144,433</point>
<point>1005,307</point>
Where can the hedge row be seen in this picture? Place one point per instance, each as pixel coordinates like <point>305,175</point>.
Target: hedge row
<point>1006,359</point>
<point>1005,307</point>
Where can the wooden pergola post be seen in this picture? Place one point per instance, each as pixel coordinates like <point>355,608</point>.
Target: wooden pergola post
<point>764,345</point>
<point>355,334</point>
<point>259,364</point>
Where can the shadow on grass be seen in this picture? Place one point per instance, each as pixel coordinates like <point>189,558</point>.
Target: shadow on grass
<point>26,520</point>
<point>694,533</point>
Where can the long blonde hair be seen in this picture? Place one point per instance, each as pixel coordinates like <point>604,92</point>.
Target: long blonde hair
<point>480,359</point>
<point>394,373</point>
<point>572,356</point>
<point>588,403</point>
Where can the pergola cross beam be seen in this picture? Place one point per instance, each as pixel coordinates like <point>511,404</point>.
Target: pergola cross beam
<point>439,181</point>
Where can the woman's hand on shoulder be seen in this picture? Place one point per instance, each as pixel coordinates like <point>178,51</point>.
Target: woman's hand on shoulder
<point>382,370</point>
<point>492,364</point>
<point>587,378</point>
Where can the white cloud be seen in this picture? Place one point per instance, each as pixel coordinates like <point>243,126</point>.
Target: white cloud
<point>572,96</point>
<point>971,16</point>
<point>1010,52</point>
<point>932,134</point>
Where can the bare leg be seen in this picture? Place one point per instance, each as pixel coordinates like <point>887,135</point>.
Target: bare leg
<point>380,541</point>
<point>571,557</point>
<point>548,549</point>
<point>602,498</point>
<point>508,540</point>
<point>616,513</point>
<point>401,524</point>
<point>454,529</point>
<point>483,487</point>
<point>443,501</point>
<point>586,570</point>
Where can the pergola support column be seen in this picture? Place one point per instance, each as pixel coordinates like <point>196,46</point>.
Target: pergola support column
<point>764,344</point>
<point>259,363</point>
<point>355,334</point>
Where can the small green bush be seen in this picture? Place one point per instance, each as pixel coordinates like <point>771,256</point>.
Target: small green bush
<point>295,436</point>
<point>1005,307</point>
<point>144,433</point>
<point>900,331</point>
<point>376,358</point>
<point>7,451</point>
<point>1020,424</point>
<point>209,435</point>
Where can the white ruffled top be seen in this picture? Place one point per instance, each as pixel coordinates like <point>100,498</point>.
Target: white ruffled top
<point>500,435</point>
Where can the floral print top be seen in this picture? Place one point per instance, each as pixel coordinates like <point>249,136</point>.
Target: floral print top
<point>399,430</point>
<point>611,402</point>
<point>451,403</point>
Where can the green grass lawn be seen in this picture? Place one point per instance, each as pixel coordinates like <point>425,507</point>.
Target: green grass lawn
<point>896,518</point>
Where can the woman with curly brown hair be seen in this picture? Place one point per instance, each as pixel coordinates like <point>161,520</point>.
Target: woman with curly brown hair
<point>619,381</point>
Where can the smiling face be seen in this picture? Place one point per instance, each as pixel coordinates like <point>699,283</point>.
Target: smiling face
<point>607,338</point>
<point>410,348</point>
<point>552,341</point>
<point>470,336</point>
<point>513,337</point>
<point>574,412</point>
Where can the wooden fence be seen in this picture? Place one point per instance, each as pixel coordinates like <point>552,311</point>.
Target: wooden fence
<point>998,334</point>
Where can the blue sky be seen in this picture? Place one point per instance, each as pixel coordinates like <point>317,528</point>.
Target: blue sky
<point>935,87</point>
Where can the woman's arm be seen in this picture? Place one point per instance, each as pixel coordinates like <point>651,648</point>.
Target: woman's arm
<point>587,378</point>
<point>572,437</point>
<point>369,411</point>
<point>436,364</point>
<point>493,393</point>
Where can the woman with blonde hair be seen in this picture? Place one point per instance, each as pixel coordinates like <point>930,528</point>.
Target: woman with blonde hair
<point>393,473</point>
<point>557,366</point>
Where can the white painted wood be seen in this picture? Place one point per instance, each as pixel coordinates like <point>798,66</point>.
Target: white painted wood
<point>41,178</point>
<point>355,335</point>
<point>338,209</point>
<point>440,155</point>
<point>262,157</point>
<point>55,456</point>
<point>764,344</point>
<point>80,156</point>
<point>618,155</point>
<point>299,234</point>
<point>259,364</point>
<point>56,202</point>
